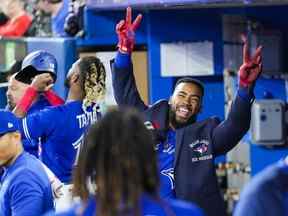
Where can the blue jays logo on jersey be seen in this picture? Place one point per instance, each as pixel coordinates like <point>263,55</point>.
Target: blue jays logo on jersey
<point>168,148</point>
<point>170,174</point>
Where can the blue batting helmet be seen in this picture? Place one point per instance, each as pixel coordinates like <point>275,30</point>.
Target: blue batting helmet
<point>36,63</point>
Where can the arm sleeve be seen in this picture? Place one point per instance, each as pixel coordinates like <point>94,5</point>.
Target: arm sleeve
<point>53,98</point>
<point>17,28</point>
<point>27,196</point>
<point>228,133</point>
<point>123,81</point>
<point>39,124</point>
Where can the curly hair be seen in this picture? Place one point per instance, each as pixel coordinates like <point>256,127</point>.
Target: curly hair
<point>92,76</point>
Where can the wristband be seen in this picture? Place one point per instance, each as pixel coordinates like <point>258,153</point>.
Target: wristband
<point>27,99</point>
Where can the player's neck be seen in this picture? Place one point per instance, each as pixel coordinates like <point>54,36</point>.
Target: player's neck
<point>74,96</point>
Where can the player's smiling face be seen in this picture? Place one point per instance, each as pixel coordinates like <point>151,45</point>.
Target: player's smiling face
<point>185,102</point>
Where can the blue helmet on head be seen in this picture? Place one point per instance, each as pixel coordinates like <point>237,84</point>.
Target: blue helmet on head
<point>36,63</point>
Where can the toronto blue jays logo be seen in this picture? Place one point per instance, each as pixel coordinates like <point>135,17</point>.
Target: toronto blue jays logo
<point>201,148</point>
<point>170,174</point>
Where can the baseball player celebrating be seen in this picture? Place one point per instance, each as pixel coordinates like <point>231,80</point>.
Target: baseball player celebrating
<point>186,147</point>
<point>63,126</point>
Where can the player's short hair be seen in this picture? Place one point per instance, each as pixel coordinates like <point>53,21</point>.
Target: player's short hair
<point>119,158</point>
<point>197,82</point>
<point>92,76</point>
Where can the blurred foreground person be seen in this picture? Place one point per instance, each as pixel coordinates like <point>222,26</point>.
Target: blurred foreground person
<point>116,177</point>
<point>267,193</point>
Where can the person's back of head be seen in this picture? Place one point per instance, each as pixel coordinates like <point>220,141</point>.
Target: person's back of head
<point>118,157</point>
<point>87,77</point>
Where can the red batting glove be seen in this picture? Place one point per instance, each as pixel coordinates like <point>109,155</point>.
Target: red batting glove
<point>125,30</point>
<point>251,67</point>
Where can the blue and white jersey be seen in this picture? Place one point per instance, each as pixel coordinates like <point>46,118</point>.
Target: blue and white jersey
<point>148,206</point>
<point>165,153</point>
<point>63,128</point>
<point>31,146</point>
<point>25,188</point>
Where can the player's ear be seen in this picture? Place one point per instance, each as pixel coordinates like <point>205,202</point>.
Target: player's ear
<point>75,78</point>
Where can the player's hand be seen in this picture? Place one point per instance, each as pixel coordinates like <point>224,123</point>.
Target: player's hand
<point>125,30</point>
<point>42,82</point>
<point>251,67</point>
<point>57,188</point>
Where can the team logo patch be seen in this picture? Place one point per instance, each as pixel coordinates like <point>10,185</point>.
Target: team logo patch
<point>202,148</point>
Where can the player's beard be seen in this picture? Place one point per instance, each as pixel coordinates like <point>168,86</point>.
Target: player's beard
<point>176,124</point>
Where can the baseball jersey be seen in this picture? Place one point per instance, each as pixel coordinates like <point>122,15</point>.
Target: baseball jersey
<point>148,205</point>
<point>25,188</point>
<point>32,146</point>
<point>165,153</point>
<point>266,194</point>
<point>63,128</point>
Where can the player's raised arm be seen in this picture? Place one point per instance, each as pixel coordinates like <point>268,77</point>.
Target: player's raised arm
<point>40,83</point>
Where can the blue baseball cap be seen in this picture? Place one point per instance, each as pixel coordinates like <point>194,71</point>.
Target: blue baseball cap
<point>8,122</point>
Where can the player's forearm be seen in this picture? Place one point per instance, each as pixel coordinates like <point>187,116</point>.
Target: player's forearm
<point>25,102</point>
<point>53,98</point>
<point>122,60</point>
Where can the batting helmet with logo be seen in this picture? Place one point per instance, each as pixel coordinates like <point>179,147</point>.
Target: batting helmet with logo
<point>36,63</point>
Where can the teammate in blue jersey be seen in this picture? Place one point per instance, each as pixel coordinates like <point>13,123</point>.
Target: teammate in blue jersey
<point>116,177</point>
<point>25,188</point>
<point>35,63</point>
<point>63,126</point>
<point>187,147</point>
<point>267,193</point>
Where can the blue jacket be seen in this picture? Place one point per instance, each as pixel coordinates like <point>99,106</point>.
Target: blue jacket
<point>149,206</point>
<point>266,194</point>
<point>25,189</point>
<point>196,145</point>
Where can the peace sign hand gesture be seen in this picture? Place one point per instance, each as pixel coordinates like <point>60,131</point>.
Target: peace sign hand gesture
<point>251,67</point>
<point>125,30</point>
